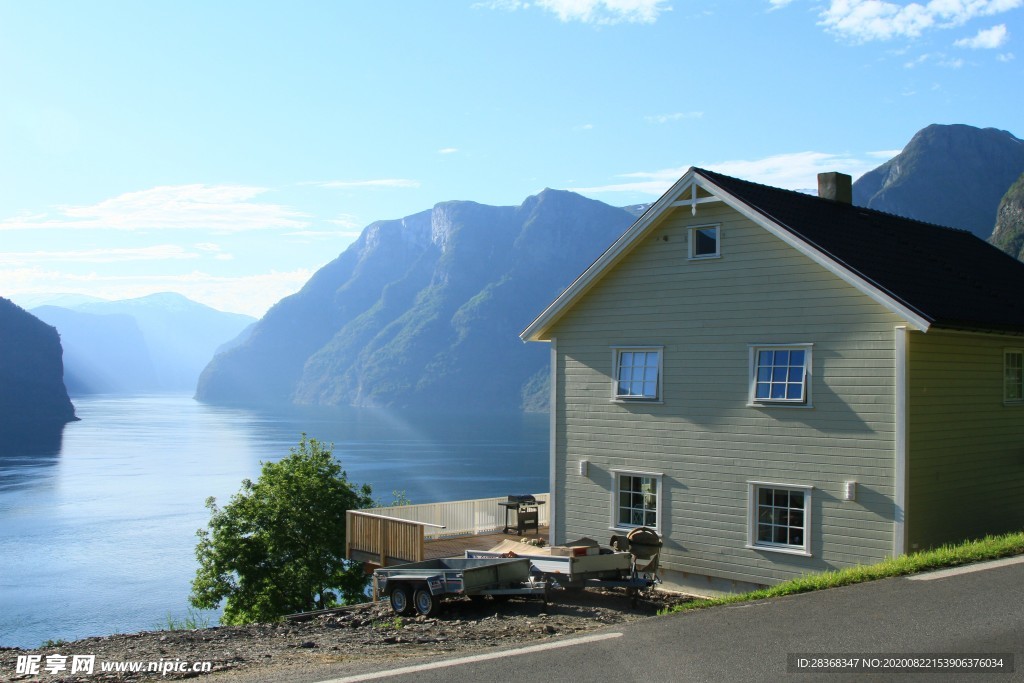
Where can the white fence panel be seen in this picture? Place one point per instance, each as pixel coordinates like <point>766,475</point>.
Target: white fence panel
<point>460,517</point>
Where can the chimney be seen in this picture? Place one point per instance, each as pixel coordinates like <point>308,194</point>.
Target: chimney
<point>835,186</point>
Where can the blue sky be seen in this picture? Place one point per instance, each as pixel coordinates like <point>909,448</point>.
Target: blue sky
<point>227,150</point>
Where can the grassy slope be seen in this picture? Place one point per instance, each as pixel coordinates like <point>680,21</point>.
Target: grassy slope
<point>988,548</point>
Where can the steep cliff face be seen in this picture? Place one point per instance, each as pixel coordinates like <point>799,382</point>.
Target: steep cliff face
<point>424,311</point>
<point>1009,231</point>
<point>950,175</point>
<point>32,392</point>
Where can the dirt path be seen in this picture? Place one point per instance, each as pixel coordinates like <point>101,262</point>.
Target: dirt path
<point>368,633</point>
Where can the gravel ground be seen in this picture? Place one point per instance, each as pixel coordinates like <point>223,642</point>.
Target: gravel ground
<point>363,634</point>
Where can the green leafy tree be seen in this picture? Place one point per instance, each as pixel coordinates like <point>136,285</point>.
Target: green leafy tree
<point>278,546</point>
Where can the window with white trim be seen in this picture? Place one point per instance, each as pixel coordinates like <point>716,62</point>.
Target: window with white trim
<point>637,373</point>
<point>780,516</point>
<point>704,242</point>
<point>779,374</point>
<point>636,498</point>
<point>1013,376</point>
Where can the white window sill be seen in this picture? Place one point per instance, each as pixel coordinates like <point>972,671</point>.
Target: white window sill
<point>1013,403</point>
<point>779,549</point>
<point>782,404</point>
<point>627,529</point>
<point>709,257</point>
<point>641,401</point>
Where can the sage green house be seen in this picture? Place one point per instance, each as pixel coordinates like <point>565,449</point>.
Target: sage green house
<point>782,384</point>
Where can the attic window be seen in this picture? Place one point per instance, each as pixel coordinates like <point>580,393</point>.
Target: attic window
<point>704,242</point>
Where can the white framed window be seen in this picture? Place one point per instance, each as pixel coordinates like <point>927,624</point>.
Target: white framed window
<point>637,375</point>
<point>780,517</point>
<point>704,241</point>
<point>780,374</point>
<point>636,499</point>
<point>1013,376</point>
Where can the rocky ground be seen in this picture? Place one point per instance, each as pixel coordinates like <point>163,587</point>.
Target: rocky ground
<point>366,633</point>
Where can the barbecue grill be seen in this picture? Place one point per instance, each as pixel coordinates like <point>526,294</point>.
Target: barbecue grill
<point>526,508</point>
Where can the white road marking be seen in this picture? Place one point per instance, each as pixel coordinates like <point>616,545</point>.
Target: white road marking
<point>966,569</point>
<point>475,658</point>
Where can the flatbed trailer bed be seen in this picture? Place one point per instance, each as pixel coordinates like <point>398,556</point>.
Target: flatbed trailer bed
<point>606,568</point>
<point>419,586</point>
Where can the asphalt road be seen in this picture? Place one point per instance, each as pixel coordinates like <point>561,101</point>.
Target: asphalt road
<point>978,613</point>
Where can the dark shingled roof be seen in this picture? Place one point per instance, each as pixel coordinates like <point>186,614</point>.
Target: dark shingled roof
<point>949,277</point>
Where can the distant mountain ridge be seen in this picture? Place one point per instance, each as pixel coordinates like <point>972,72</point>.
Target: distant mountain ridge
<point>155,343</point>
<point>423,311</point>
<point>953,175</point>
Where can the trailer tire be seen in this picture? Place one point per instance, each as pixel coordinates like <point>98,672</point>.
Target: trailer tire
<point>426,603</point>
<point>401,599</point>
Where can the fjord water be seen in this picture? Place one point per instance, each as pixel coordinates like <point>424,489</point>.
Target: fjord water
<point>99,537</point>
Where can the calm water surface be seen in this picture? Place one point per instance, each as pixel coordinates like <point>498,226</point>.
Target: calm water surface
<point>99,538</point>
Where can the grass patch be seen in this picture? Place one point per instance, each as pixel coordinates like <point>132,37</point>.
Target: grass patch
<point>195,619</point>
<point>988,548</point>
<point>48,644</point>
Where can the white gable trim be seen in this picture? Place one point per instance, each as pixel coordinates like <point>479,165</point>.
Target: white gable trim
<point>537,331</point>
<point>916,320</point>
<point>676,196</point>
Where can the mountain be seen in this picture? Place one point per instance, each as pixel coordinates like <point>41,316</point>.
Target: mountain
<point>34,405</point>
<point>423,311</point>
<point>103,353</point>
<point>1009,231</point>
<point>153,343</point>
<point>64,300</point>
<point>952,175</point>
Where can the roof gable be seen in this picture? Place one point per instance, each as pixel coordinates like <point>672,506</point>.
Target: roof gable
<point>927,274</point>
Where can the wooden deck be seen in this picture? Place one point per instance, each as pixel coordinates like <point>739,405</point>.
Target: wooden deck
<point>456,547</point>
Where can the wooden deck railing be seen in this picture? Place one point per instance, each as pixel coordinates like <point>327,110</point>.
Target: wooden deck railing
<point>382,540</point>
<point>397,534</point>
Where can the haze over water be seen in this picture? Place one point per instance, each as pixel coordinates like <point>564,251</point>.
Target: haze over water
<point>100,537</point>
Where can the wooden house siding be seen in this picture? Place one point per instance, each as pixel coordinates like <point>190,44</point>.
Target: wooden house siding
<point>704,437</point>
<point>966,447</point>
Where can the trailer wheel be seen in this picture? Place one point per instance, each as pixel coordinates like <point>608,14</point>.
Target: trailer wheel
<point>426,603</point>
<point>400,598</point>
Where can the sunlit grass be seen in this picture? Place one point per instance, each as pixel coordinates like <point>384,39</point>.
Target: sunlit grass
<point>988,548</point>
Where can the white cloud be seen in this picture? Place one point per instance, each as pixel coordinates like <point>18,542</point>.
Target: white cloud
<point>349,221</point>
<point>309,235</point>
<point>600,12</point>
<point>677,116</point>
<point>918,61</point>
<point>448,150</point>
<point>986,39</point>
<point>160,252</point>
<point>1006,57</point>
<point>794,171</point>
<point>367,184</point>
<point>778,4</point>
<point>250,294</point>
<point>504,5</point>
<point>867,20</point>
<point>605,12</point>
<point>885,154</point>
<point>227,208</point>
